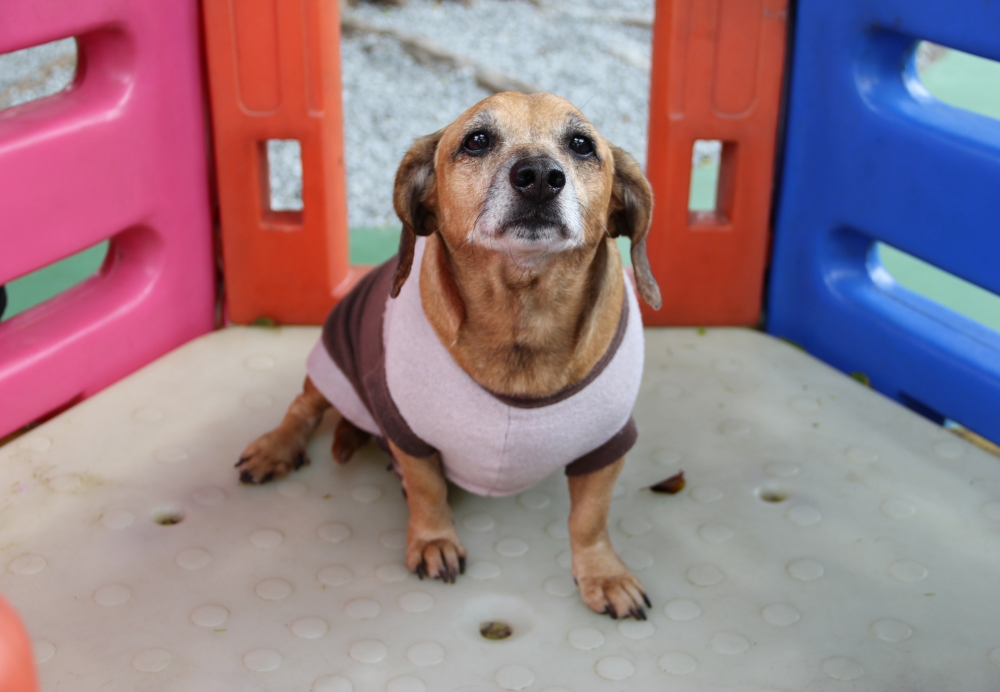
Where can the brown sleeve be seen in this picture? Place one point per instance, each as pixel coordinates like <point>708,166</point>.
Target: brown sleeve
<point>608,453</point>
<point>388,417</point>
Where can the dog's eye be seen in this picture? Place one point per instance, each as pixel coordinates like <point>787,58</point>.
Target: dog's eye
<point>477,142</point>
<point>581,145</point>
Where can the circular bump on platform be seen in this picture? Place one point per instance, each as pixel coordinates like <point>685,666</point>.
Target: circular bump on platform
<point>367,651</point>
<point>805,569</point>
<point>897,509</point>
<point>636,629</point>
<point>633,525</point>
<point>949,449</point>
<point>209,496</point>
<point>682,609</point>
<point>64,482</point>
<point>362,608</point>
<point>309,627</point>
<point>292,490</point>
<point>557,529</point>
<point>706,494</point>
<point>804,404</point>
<point>259,361</point>
<point>704,575</point>
<point>366,493</point>
<point>257,401</point>
<point>730,643</point>
<point>478,522</point>
<point>209,615</point>
<point>483,570</point>
<point>193,558</point>
<point>992,510</point>
<point>266,538</point>
<point>890,630</point>
<point>112,595</point>
<point>565,559</point>
<point>26,565</point>
<point>803,515</point>
<point>726,364</point>
<point>425,654</point>
<point>666,456</point>
<point>862,455</point>
<point>782,469</point>
<point>636,559</point>
<point>332,683</point>
<point>334,532</point>
<point>995,657</point>
<point>167,515</point>
<point>148,414</point>
<point>514,677</point>
<point>556,689</point>
<point>405,683</point>
<point>780,614</point>
<point>262,660</point>
<point>908,571</point>
<point>734,428</point>
<point>391,571</point>
<point>560,586</point>
<point>585,638</point>
<point>615,668</point>
<point>534,499</point>
<point>34,443</point>
<point>677,663</point>
<point>771,493</point>
<point>511,547</point>
<point>171,455</point>
<point>716,533</point>
<point>415,601</point>
<point>843,669</point>
<point>152,660</point>
<point>117,519</point>
<point>334,575</point>
<point>669,390</point>
<point>273,589</point>
<point>393,540</point>
<point>43,651</point>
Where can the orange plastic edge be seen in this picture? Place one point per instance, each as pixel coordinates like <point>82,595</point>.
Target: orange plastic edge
<point>716,75</point>
<point>274,73</point>
<point>17,668</point>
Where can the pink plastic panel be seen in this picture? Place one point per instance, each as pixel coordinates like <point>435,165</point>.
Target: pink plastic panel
<point>120,155</point>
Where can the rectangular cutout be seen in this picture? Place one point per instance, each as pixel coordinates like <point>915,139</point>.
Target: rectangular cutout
<point>37,72</point>
<point>959,79</point>
<point>281,161</point>
<point>42,284</point>
<point>712,176</point>
<point>939,286</point>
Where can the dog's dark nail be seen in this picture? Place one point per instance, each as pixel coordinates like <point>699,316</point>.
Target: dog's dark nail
<point>389,467</point>
<point>242,460</point>
<point>268,477</point>
<point>612,612</point>
<point>421,570</point>
<point>638,613</point>
<point>645,599</point>
<point>246,477</point>
<point>300,461</point>
<point>461,564</point>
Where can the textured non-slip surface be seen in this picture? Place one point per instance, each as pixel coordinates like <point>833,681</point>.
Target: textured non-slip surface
<point>827,540</point>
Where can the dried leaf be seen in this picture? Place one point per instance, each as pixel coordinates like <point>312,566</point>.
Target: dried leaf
<point>670,486</point>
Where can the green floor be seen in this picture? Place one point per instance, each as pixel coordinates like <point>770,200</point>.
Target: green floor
<point>957,78</point>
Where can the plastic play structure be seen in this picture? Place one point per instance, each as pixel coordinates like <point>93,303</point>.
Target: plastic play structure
<point>830,538</point>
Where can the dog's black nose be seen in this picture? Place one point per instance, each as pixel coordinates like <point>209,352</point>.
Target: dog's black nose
<point>537,178</point>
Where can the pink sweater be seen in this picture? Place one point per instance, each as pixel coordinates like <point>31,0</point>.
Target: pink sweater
<point>381,364</point>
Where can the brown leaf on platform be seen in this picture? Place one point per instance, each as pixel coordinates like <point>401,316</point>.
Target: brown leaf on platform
<point>670,486</point>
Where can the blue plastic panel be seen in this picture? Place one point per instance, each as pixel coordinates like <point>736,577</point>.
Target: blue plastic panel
<point>870,155</point>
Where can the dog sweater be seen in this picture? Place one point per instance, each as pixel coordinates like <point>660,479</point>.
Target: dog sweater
<point>381,364</point>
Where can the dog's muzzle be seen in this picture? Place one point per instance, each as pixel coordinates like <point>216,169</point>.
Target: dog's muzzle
<point>538,179</point>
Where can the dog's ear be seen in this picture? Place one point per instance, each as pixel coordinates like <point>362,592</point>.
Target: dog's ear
<point>410,197</point>
<point>630,213</point>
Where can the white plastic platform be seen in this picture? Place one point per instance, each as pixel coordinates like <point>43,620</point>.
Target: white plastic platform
<point>828,540</point>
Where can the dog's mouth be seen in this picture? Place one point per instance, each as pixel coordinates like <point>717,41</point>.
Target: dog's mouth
<point>537,227</point>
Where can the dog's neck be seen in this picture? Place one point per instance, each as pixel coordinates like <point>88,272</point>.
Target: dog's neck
<point>518,326</point>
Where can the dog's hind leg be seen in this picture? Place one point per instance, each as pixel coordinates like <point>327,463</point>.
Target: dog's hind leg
<point>347,439</point>
<point>283,450</point>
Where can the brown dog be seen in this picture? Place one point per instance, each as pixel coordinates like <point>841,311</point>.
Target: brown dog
<point>517,351</point>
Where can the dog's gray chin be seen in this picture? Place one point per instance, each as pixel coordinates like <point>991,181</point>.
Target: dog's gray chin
<point>535,229</point>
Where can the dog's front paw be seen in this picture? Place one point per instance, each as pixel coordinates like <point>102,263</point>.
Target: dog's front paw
<point>270,457</point>
<point>608,587</point>
<point>438,558</point>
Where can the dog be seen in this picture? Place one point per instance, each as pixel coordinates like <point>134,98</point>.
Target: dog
<point>514,351</point>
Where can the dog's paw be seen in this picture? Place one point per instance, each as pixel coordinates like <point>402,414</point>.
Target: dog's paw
<point>607,586</point>
<point>269,458</point>
<point>438,558</point>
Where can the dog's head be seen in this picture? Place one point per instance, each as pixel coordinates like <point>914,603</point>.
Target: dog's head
<point>528,176</point>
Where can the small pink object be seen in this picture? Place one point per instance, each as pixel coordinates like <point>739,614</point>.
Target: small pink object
<point>120,155</point>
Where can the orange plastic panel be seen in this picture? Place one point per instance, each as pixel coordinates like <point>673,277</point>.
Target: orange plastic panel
<point>717,74</point>
<point>274,73</point>
<point>17,664</point>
